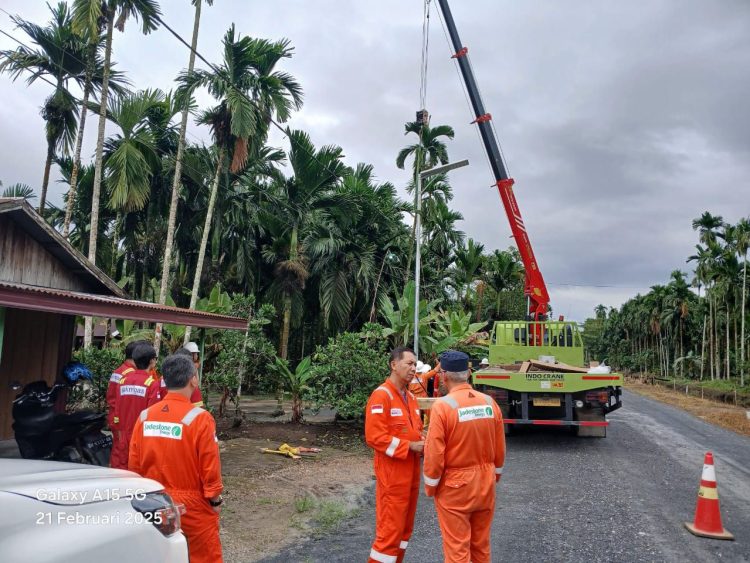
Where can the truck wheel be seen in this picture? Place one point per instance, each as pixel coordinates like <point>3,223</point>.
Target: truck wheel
<point>591,415</point>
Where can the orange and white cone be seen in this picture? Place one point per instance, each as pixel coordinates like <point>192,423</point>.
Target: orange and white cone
<point>707,521</point>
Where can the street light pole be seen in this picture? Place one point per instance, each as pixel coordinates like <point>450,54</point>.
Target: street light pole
<point>418,233</point>
<point>418,262</point>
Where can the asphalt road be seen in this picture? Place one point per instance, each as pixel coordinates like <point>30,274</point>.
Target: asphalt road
<point>566,499</point>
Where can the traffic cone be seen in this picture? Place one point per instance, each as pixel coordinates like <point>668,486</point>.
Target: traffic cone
<point>707,522</point>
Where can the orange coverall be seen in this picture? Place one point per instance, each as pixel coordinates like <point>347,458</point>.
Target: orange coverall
<point>418,385</point>
<point>391,424</point>
<point>464,455</point>
<point>136,391</point>
<point>175,443</point>
<point>114,380</point>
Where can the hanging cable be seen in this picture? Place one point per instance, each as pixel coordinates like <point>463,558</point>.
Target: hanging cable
<point>425,55</point>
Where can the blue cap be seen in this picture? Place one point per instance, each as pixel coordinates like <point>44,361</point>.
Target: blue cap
<point>451,360</point>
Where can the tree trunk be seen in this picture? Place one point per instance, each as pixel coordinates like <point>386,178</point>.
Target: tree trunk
<point>70,200</point>
<point>377,286</point>
<point>286,322</point>
<point>729,369</point>
<point>45,179</point>
<point>115,244</point>
<point>742,329</point>
<point>703,348</point>
<point>89,334</point>
<point>176,183</point>
<point>204,237</point>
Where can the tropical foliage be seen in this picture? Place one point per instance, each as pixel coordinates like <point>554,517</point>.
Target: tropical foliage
<point>687,329</point>
<point>320,246</point>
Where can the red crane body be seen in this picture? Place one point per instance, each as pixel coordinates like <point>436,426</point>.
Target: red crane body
<point>534,287</point>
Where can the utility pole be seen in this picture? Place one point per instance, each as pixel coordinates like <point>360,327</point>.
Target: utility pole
<point>418,232</point>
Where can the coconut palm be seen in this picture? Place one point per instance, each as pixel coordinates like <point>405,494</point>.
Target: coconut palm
<point>427,152</point>
<point>59,58</point>
<point>247,70</point>
<point>176,178</point>
<point>306,197</point>
<point>467,265</point>
<point>743,244</point>
<point>87,18</point>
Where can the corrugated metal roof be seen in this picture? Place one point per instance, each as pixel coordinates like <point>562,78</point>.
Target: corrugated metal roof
<point>53,242</point>
<point>21,296</point>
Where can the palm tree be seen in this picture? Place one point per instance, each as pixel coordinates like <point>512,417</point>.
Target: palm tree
<point>306,197</point>
<point>87,17</point>
<point>467,266</point>
<point>130,157</point>
<point>503,271</point>
<point>60,57</point>
<point>742,243</point>
<point>428,152</point>
<point>247,69</point>
<point>708,225</point>
<point>23,191</point>
<point>177,177</point>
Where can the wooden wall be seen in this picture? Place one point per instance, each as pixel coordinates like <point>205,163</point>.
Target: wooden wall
<point>24,260</point>
<point>36,345</point>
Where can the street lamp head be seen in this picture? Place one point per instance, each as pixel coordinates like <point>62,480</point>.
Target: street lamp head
<point>444,168</point>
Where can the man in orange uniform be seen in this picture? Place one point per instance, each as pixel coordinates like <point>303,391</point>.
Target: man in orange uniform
<point>175,443</point>
<point>464,457</point>
<point>393,428</point>
<point>197,397</point>
<point>128,366</point>
<point>136,391</point>
<point>421,379</point>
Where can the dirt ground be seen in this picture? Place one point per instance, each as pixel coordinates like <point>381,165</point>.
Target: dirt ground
<point>273,501</point>
<point>726,416</point>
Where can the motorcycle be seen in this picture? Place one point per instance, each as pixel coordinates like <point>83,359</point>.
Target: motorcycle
<point>41,433</point>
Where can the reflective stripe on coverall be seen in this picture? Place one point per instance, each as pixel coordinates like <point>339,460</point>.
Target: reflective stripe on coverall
<point>136,391</point>
<point>114,381</point>
<point>391,424</point>
<point>464,455</point>
<point>175,443</point>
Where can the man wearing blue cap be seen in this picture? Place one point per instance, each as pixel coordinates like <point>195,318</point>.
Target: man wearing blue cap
<point>464,455</point>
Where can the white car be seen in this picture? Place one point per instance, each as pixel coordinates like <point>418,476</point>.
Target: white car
<point>68,512</point>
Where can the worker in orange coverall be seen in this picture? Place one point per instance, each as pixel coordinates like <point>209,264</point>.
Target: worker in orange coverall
<point>175,444</point>
<point>128,366</point>
<point>464,456</point>
<point>136,391</point>
<point>393,428</point>
<point>422,377</point>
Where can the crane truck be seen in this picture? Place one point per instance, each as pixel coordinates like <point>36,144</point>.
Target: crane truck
<point>536,371</point>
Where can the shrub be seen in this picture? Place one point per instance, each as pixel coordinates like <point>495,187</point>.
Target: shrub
<point>101,363</point>
<point>347,369</point>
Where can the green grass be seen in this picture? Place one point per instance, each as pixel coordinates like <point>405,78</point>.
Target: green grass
<point>329,515</point>
<point>304,504</point>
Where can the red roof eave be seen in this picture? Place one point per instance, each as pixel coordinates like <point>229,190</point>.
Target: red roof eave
<point>20,296</point>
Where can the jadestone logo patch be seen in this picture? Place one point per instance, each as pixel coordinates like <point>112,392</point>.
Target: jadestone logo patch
<point>163,430</point>
<point>467,414</point>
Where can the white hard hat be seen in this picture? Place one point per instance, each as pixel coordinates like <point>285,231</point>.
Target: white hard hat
<point>192,347</point>
<point>484,362</point>
<point>420,364</point>
<point>426,368</point>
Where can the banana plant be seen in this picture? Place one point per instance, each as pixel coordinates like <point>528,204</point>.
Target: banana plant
<point>294,382</point>
<point>449,329</point>
<point>400,318</point>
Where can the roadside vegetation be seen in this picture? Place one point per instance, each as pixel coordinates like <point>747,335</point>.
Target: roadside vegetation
<point>316,252</point>
<point>692,328</point>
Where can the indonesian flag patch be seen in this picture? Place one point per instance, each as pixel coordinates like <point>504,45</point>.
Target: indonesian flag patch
<point>376,409</point>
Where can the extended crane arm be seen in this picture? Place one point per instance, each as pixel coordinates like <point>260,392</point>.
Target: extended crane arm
<point>535,289</point>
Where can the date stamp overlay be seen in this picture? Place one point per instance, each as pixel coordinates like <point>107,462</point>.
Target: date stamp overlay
<point>93,508</point>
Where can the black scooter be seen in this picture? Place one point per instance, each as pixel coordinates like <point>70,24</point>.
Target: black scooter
<point>41,433</point>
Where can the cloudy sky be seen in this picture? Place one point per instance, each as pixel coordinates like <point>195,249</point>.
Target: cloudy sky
<point>620,121</point>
